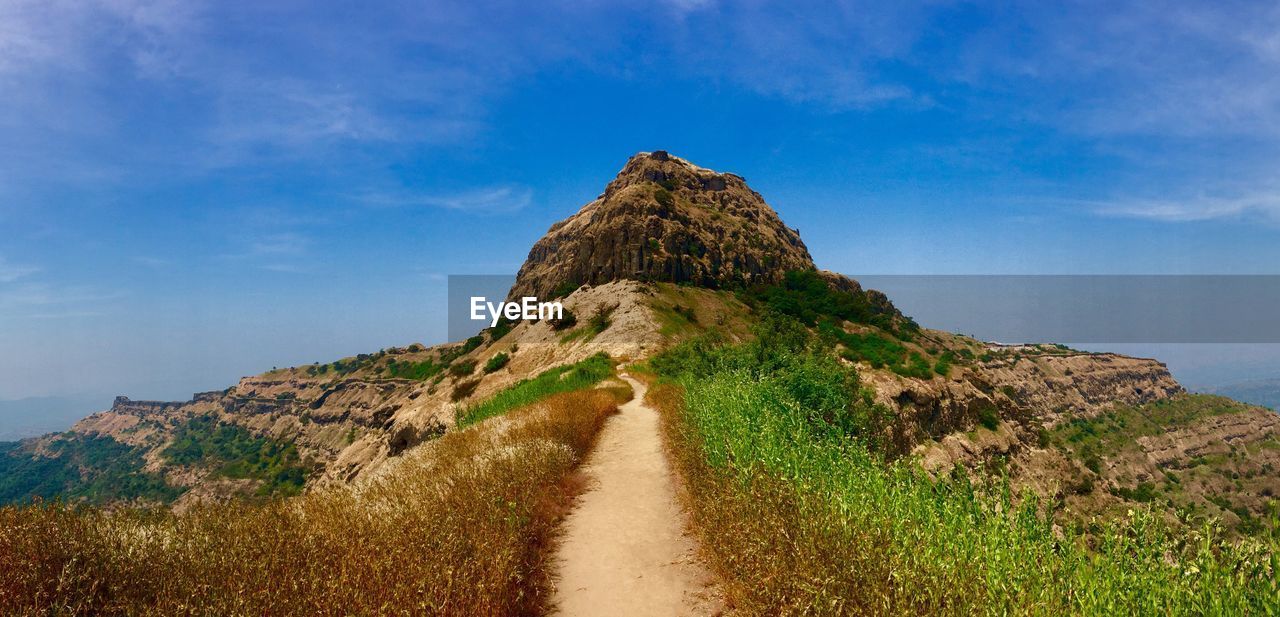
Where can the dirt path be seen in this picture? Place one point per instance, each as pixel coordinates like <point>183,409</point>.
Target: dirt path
<point>624,550</point>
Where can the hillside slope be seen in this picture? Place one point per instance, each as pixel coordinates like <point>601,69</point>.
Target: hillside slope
<point>668,252</point>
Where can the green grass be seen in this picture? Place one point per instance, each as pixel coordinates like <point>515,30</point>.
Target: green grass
<point>801,514</point>
<point>673,321</point>
<point>584,374</point>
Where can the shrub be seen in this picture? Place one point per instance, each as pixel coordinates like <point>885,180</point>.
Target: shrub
<point>457,351</point>
<point>918,368</point>
<point>687,312</point>
<point>419,371</point>
<point>464,389</point>
<point>806,296</point>
<point>600,321</point>
<point>567,320</point>
<point>503,328</point>
<point>565,288</point>
<point>943,365</point>
<point>664,198</point>
<point>989,417</point>
<point>1093,462</point>
<point>498,361</point>
<point>462,369</point>
<point>876,350</point>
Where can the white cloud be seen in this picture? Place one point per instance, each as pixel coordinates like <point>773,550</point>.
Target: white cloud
<point>151,261</point>
<point>288,243</point>
<point>1177,69</point>
<point>1260,206</point>
<point>829,55</point>
<point>38,299</point>
<point>484,200</point>
<point>11,272</point>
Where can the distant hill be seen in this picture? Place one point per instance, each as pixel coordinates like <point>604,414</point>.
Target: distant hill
<point>1265,392</point>
<point>28,417</point>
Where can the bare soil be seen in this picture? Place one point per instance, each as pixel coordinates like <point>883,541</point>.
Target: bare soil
<point>625,548</point>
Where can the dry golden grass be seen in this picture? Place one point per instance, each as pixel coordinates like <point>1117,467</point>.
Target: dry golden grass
<point>457,527</point>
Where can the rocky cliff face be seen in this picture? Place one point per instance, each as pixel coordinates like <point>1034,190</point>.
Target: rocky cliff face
<point>665,219</point>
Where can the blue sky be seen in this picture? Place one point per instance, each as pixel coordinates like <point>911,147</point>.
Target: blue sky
<point>194,191</point>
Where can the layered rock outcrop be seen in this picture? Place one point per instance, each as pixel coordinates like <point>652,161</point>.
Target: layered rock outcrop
<point>665,219</point>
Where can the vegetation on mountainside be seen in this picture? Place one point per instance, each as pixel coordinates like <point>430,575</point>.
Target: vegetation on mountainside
<point>884,338</point>
<point>1230,481</point>
<point>1110,432</point>
<point>457,527</point>
<point>420,371</point>
<point>599,321</point>
<point>584,374</point>
<point>232,451</point>
<point>79,468</point>
<point>402,363</point>
<point>807,297</point>
<point>496,362</point>
<point>801,512</point>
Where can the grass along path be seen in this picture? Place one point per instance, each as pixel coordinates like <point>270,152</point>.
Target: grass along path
<point>624,550</point>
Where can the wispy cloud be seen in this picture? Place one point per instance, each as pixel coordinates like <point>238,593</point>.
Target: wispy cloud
<point>830,55</point>
<point>485,200</point>
<point>1169,69</point>
<point>151,261</point>
<point>285,243</point>
<point>11,272</point>
<point>39,299</point>
<point>283,268</point>
<point>1264,206</point>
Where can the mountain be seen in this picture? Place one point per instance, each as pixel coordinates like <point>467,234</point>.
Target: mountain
<point>671,251</point>
<point>1265,392</point>
<point>665,219</point>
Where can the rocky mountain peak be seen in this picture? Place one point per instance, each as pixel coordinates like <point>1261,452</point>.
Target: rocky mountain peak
<point>665,219</point>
